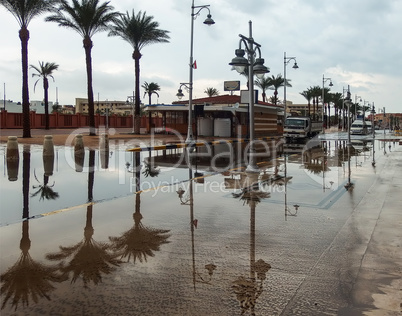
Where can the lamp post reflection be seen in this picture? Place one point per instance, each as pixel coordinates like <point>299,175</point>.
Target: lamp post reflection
<point>349,184</point>
<point>187,198</point>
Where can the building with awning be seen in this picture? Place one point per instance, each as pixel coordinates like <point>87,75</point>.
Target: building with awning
<point>220,116</point>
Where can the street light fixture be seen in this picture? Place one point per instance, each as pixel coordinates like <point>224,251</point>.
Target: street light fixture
<point>208,21</point>
<point>323,103</point>
<point>286,61</point>
<point>255,66</point>
<point>373,131</point>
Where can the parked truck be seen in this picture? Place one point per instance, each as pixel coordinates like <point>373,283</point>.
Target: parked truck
<point>301,127</point>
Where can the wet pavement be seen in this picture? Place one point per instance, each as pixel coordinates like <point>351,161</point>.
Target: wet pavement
<point>316,232</point>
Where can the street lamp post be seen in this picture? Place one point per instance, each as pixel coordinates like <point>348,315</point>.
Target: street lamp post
<point>373,131</point>
<point>348,102</point>
<point>208,21</point>
<point>286,61</point>
<point>323,103</point>
<point>255,66</point>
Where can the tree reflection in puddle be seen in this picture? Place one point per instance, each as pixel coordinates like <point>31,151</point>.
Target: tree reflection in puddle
<point>140,241</point>
<point>27,279</point>
<point>90,259</point>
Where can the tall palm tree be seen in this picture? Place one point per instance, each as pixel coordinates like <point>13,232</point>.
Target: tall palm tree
<point>326,109</point>
<point>87,18</point>
<point>138,30</point>
<point>276,83</point>
<point>211,92</point>
<point>336,99</point>
<point>264,83</point>
<point>24,11</point>
<point>44,71</point>
<point>150,88</point>
<point>316,92</point>
<point>307,94</point>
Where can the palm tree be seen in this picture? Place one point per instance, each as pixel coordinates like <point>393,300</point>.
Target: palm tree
<point>150,88</point>
<point>264,83</point>
<point>327,108</point>
<point>138,30</point>
<point>307,94</point>
<point>44,71</point>
<point>87,18</point>
<point>24,12</point>
<point>336,99</point>
<point>211,92</point>
<point>276,83</point>
<point>316,92</point>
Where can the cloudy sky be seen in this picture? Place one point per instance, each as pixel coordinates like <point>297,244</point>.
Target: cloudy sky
<point>354,42</point>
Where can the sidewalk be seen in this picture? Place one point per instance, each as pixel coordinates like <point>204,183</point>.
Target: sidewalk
<point>379,279</point>
<point>63,137</point>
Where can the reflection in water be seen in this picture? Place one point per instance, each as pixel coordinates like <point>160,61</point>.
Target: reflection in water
<point>140,241</point>
<point>27,279</point>
<point>104,151</point>
<point>13,158</point>
<point>45,191</point>
<point>250,192</point>
<point>150,169</point>
<point>187,198</point>
<point>248,289</point>
<point>12,169</point>
<point>90,259</point>
<point>79,153</point>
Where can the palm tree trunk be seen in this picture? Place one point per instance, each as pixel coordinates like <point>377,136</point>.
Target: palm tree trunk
<point>26,124</point>
<point>149,115</point>
<point>91,174</point>
<point>46,89</point>
<point>91,108</point>
<point>314,108</point>
<point>136,57</point>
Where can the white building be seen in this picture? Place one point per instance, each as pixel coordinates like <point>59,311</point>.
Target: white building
<point>16,107</point>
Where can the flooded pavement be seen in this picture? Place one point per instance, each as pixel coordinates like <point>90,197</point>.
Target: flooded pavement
<point>316,232</point>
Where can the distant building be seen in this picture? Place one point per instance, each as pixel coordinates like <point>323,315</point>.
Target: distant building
<point>114,107</point>
<point>16,107</point>
<point>301,109</point>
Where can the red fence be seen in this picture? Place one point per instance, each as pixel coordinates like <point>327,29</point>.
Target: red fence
<point>57,120</point>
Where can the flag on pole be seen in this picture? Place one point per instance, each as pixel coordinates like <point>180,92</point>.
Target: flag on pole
<point>195,64</point>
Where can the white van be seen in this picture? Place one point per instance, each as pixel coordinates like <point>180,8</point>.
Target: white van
<point>359,127</point>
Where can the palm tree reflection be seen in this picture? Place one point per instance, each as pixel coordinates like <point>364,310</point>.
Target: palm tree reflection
<point>139,242</point>
<point>248,289</point>
<point>90,259</point>
<point>27,279</point>
<point>45,191</point>
<point>250,192</point>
